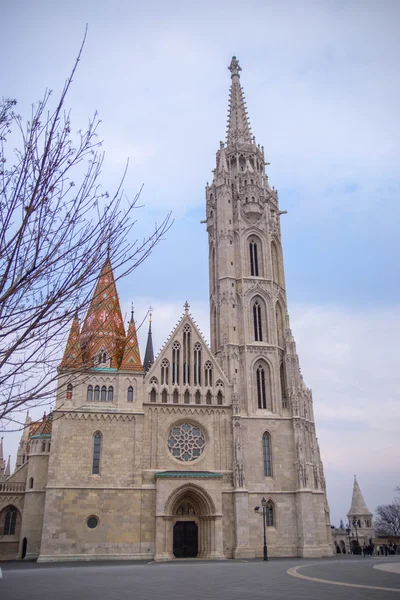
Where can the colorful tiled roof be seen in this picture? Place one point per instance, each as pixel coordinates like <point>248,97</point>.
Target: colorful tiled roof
<point>103,328</point>
<point>131,360</point>
<point>72,354</point>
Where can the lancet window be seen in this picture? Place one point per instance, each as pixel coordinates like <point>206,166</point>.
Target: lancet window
<point>130,394</point>
<point>176,349</point>
<point>96,453</point>
<point>186,354</point>
<point>175,397</point>
<point>270,514</point>
<point>110,393</point>
<point>164,371</point>
<point>153,395</point>
<point>257,321</point>
<point>69,391</point>
<point>96,393</point>
<point>10,521</point>
<point>283,385</point>
<point>197,364</point>
<point>208,397</point>
<point>164,396</point>
<point>208,373</point>
<point>253,248</point>
<point>262,380</point>
<point>90,392</point>
<point>279,326</point>
<point>267,454</point>
<point>103,393</point>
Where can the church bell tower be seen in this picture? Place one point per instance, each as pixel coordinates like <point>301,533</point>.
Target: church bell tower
<point>251,338</point>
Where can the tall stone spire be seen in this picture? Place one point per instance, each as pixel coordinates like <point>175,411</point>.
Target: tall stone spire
<point>238,123</point>
<point>358,506</point>
<point>103,335</point>
<point>23,448</point>
<point>149,354</point>
<point>73,354</point>
<point>131,360</point>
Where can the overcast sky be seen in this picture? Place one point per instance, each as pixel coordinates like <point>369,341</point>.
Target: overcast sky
<point>321,81</point>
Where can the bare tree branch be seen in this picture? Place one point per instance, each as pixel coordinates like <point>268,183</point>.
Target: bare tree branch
<point>57,227</point>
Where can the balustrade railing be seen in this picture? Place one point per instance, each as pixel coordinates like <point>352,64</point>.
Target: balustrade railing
<point>12,486</point>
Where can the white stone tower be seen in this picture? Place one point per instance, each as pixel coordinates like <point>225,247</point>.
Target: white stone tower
<point>360,518</point>
<point>250,336</point>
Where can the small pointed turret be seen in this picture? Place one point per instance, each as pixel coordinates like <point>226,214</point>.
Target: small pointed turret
<point>358,506</point>
<point>131,360</point>
<point>8,468</point>
<point>238,124</point>
<point>149,354</point>
<point>103,334</point>
<point>73,354</point>
<point>23,448</point>
<point>2,461</point>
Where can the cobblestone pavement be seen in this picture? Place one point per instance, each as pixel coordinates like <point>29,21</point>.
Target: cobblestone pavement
<point>201,580</point>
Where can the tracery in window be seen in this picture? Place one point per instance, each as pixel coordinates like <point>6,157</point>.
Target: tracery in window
<point>186,354</point>
<point>267,455</point>
<point>96,453</point>
<point>90,392</point>
<point>130,394</point>
<point>164,371</point>
<point>186,442</point>
<point>197,364</point>
<point>208,373</point>
<point>10,521</point>
<point>176,349</point>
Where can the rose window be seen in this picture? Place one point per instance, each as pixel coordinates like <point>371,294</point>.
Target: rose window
<point>186,442</point>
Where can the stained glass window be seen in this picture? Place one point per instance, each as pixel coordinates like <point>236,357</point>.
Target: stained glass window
<point>186,442</point>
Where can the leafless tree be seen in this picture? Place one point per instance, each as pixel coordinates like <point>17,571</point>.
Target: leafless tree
<point>387,520</point>
<point>57,226</point>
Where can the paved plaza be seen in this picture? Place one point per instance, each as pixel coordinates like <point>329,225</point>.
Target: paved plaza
<point>281,579</point>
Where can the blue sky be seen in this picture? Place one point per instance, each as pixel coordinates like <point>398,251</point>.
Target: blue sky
<point>322,88</point>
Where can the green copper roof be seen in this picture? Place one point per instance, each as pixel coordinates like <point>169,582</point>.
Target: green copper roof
<point>183,474</point>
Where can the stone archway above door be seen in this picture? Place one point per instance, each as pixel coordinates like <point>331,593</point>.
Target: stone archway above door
<point>190,500</point>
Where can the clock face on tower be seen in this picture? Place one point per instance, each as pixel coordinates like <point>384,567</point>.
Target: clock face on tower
<point>186,442</point>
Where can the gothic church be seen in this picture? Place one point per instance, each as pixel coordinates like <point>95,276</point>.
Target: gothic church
<point>169,458</point>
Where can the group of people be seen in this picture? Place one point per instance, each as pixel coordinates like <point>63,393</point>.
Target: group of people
<point>370,549</point>
<point>387,549</point>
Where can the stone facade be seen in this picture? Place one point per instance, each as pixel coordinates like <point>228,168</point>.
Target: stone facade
<point>173,460</point>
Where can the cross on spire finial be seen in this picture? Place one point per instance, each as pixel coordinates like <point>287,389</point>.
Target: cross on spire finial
<point>150,313</point>
<point>186,307</point>
<point>234,67</point>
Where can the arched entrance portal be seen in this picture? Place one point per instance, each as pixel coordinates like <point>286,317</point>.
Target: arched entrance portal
<point>190,526</point>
